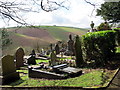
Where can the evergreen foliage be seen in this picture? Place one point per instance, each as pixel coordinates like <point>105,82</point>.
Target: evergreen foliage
<point>103,26</point>
<point>99,46</point>
<point>110,11</point>
<point>5,41</point>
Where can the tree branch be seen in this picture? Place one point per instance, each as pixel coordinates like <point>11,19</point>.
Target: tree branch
<point>12,9</point>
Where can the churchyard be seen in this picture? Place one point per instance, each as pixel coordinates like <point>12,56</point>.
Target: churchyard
<point>84,62</point>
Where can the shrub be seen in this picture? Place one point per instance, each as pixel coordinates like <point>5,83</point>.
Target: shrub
<point>4,38</point>
<point>118,36</point>
<point>103,26</point>
<point>99,46</point>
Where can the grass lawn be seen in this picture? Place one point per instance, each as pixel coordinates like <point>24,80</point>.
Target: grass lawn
<point>94,78</point>
<point>39,61</point>
<point>118,49</point>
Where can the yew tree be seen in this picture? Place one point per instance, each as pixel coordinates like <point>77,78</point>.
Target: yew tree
<point>110,11</point>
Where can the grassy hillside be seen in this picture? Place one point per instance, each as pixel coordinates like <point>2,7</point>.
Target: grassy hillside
<point>40,36</point>
<point>62,33</point>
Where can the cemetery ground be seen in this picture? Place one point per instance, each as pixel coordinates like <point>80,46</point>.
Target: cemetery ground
<point>91,78</point>
<point>93,75</point>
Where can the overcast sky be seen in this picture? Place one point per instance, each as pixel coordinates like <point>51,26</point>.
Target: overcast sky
<point>78,15</point>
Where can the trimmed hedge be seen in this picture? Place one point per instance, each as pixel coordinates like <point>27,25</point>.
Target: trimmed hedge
<point>118,36</point>
<point>99,46</point>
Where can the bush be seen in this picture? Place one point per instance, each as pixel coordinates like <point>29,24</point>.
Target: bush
<point>103,26</point>
<point>4,38</point>
<point>118,36</point>
<point>99,46</point>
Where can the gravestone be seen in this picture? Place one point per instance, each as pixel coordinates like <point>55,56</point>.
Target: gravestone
<point>42,52</point>
<point>19,57</point>
<point>33,53</point>
<point>51,46</point>
<point>53,59</point>
<point>57,49</point>
<point>70,43</point>
<point>70,46</point>
<point>8,70</point>
<point>31,60</point>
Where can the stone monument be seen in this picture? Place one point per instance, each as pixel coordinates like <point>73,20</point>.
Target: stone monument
<point>33,53</point>
<point>19,57</point>
<point>53,59</point>
<point>31,60</point>
<point>57,49</point>
<point>70,46</point>
<point>8,70</point>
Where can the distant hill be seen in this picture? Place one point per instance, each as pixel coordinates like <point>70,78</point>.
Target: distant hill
<point>32,37</point>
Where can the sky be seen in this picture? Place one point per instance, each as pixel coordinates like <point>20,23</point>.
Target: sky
<point>78,15</point>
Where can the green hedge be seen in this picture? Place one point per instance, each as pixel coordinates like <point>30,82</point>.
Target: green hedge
<point>99,46</point>
<point>118,36</point>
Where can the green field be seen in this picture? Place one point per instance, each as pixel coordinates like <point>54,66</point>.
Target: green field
<point>61,33</point>
<point>43,36</point>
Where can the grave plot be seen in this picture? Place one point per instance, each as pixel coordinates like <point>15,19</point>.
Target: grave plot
<point>63,68</point>
<point>55,72</point>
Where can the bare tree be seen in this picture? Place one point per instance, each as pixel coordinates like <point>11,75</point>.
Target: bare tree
<point>11,10</point>
<point>94,4</point>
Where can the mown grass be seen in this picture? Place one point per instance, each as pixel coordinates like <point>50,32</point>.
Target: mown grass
<point>39,61</point>
<point>87,80</point>
<point>118,49</point>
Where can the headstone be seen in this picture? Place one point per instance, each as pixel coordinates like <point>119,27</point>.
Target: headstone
<point>33,53</point>
<point>31,60</point>
<point>53,59</point>
<point>70,47</point>
<point>57,49</point>
<point>19,56</point>
<point>51,47</point>
<point>70,43</point>
<point>8,70</point>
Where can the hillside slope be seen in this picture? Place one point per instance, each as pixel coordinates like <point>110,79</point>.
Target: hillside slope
<point>40,36</point>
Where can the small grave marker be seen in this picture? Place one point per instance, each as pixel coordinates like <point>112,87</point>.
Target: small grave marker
<point>53,59</point>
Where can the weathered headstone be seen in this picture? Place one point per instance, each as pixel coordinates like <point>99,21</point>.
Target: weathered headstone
<point>57,49</point>
<point>19,56</point>
<point>33,53</point>
<point>51,46</point>
<point>53,59</point>
<point>70,43</point>
<point>8,70</point>
<point>31,60</point>
<point>70,46</point>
